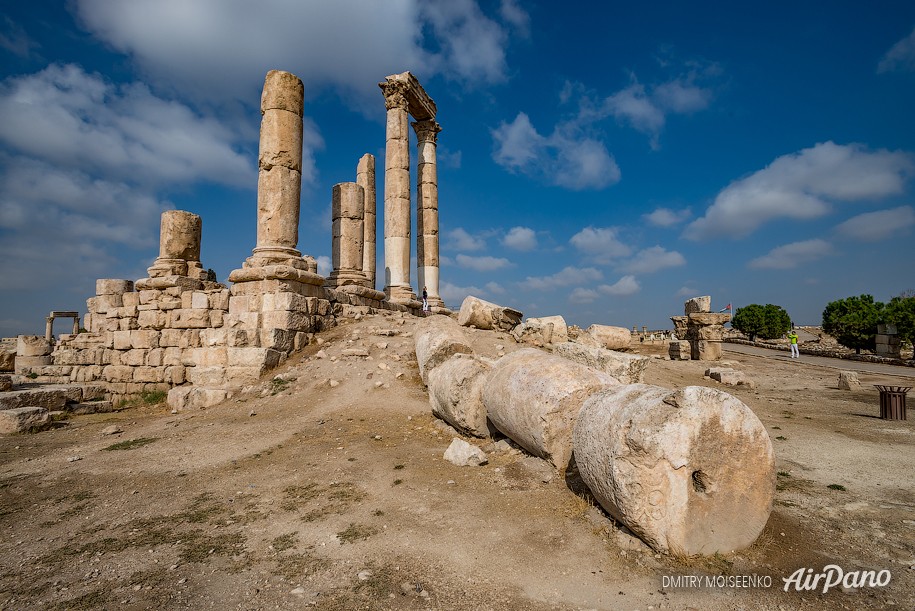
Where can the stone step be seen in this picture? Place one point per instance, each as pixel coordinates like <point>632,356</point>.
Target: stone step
<point>91,407</point>
<point>23,419</point>
<point>49,399</point>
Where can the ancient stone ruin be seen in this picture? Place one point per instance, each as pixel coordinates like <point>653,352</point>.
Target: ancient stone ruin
<point>179,331</point>
<point>690,471</point>
<point>699,331</point>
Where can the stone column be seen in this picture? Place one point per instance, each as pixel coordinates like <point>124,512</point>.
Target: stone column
<point>179,245</point>
<point>279,179</point>
<point>365,177</point>
<point>76,325</point>
<point>49,329</point>
<point>397,194</point>
<point>427,211</point>
<point>348,235</point>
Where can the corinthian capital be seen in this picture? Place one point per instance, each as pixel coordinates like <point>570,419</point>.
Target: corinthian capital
<point>395,94</point>
<point>427,131</point>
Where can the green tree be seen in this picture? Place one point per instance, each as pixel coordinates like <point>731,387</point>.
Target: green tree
<point>768,321</point>
<point>853,321</point>
<point>900,311</point>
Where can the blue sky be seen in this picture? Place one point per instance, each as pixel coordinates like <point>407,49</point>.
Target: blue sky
<point>605,163</point>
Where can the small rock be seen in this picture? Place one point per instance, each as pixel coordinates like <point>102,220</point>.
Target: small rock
<point>463,454</point>
<point>320,354</point>
<point>298,592</point>
<point>334,383</point>
<point>112,430</point>
<point>252,413</point>
<point>379,384</point>
<point>364,575</point>
<point>74,458</point>
<point>399,375</point>
<point>383,366</point>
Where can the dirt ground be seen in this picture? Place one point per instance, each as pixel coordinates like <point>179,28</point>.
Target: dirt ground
<point>325,487</point>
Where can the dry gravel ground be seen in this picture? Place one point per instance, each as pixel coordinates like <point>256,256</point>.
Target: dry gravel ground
<point>302,492</point>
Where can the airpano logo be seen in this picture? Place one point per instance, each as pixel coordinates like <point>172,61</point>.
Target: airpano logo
<point>833,575</point>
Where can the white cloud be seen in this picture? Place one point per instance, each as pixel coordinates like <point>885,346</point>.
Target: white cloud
<point>325,265</point>
<point>494,288</point>
<point>567,277</point>
<point>653,259</point>
<point>601,243</point>
<point>76,120</point>
<point>460,239</point>
<point>901,55</point>
<point>686,291</point>
<point>582,295</point>
<point>14,39</point>
<point>454,295</point>
<point>627,285</point>
<point>515,16</point>
<point>874,226</point>
<point>792,255</point>
<point>520,238</point>
<point>566,158</point>
<point>665,217</point>
<point>632,105</point>
<point>223,49</point>
<point>482,264</point>
<point>802,186</point>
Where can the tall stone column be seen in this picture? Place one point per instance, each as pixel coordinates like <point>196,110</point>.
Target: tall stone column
<point>397,194</point>
<point>427,210</point>
<point>365,177</point>
<point>279,179</point>
<point>179,245</point>
<point>348,235</point>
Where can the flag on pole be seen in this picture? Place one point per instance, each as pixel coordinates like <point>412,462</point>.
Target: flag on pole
<point>726,309</point>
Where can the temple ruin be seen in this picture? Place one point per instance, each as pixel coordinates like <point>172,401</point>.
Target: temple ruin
<point>180,331</point>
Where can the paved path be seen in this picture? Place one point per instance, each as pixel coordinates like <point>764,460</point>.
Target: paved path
<point>825,361</point>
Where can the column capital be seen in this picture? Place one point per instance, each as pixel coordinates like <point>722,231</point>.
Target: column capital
<point>427,131</point>
<point>395,95</point>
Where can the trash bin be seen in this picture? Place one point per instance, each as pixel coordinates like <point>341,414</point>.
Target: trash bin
<point>892,401</point>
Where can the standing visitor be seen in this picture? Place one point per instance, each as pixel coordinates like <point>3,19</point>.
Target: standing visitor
<point>792,337</point>
<point>425,300</point>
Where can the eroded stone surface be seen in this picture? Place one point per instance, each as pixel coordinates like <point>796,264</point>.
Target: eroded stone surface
<point>534,397</point>
<point>465,454</point>
<point>689,471</point>
<point>542,331</point>
<point>627,368</point>
<point>609,337</point>
<point>481,314</point>
<point>437,339</point>
<point>22,419</point>
<point>456,393</point>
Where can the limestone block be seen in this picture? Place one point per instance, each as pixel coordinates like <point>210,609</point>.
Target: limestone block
<point>713,333</point>
<point>89,373</point>
<point>240,338</point>
<point>277,339</point>
<point>701,350</point>
<point>213,337</point>
<point>725,375</point>
<point>689,471</point>
<point>48,398</point>
<point>436,339</point>
<point>152,319</point>
<point>134,357</point>
<point>174,374</point>
<point>219,300</point>
<point>244,375</point>
<point>127,324</point>
<point>286,301</point>
<point>183,318</point>
<point>92,306</point>
<point>485,315</point>
<point>23,419</point>
<point>118,373</point>
<point>192,397</point>
<point>679,350</point>
<point>238,304</point>
<point>456,393</point>
<point>149,296</point>
<point>6,383</point>
<point>611,338</point>
<point>262,358</point>
<point>216,318</point>
<point>106,303</point>
<point>144,338</point>
<point>7,359</point>
<point>130,299</point>
<point>209,357</point>
<point>91,407</point>
<point>534,398</point>
<point>172,356</point>
<point>199,300</point>
<point>33,345</point>
<point>25,364</point>
<point>848,380</point>
<point>627,368</point>
<point>154,357</point>
<point>206,376</point>
<point>708,318</point>
<point>110,286</point>
<point>464,454</point>
<point>282,319</point>
<point>698,304</point>
<point>243,320</point>
<point>542,331</point>
<point>168,303</point>
<point>148,374</point>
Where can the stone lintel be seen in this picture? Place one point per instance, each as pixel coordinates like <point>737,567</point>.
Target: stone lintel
<point>164,282</point>
<point>708,318</point>
<point>57,314</point>
<point>419,103</point>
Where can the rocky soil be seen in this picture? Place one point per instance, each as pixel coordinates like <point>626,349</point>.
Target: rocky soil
<point>325,487</point>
